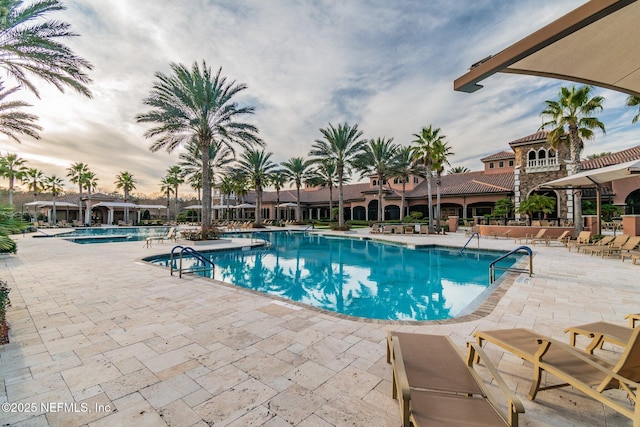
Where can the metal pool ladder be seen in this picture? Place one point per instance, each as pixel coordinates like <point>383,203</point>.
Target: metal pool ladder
<point>474,234</point>
<point>492,266</point>
<point>207,264</point>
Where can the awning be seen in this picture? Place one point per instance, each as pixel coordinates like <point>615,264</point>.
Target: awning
<point>594,44</point>
<point>287,205</point>
<point>593,177</point>
<point>47,203</point>
<point>243,206</point>
<point>115,205</point>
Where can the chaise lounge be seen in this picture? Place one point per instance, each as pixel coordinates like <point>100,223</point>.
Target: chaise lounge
<point>434,386</point>
<point>587,373</point>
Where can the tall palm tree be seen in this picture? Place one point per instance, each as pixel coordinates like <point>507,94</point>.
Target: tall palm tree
<point>404,168</point>
<point>166,187</point>
<point>377,157</point>
<point>33,178</point>
<point>277,179</point>
<point>12,120</point>
<point>90,182</point>
<point>458,169</point>
<point>126,182</point>
<point>298,172</point>
<point>256,166</point>
<point>441,153</point>
<point>423,153</point>
<point>572,120</point>
<point>634,101</point>
<point>192,104</point>
<point>325,174</point>
<point>53,184</point>
<point>341,145</point>
<point>76,174</point>
<point>175,177</point>
<point>227,187</point>
<point>12,167</point>
<point>30,46</point>
<point>191,162</point>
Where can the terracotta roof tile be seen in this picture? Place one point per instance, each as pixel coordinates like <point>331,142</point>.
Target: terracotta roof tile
<point>627,155</point>
<point>529,138</point>
<point>500,155</point>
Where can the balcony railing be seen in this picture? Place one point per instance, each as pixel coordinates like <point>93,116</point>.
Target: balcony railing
<point>543,165</point>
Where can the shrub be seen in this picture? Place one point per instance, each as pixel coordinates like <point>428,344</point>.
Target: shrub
<point>4,303</point>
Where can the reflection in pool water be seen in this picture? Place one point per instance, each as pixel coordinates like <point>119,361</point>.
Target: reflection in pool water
<point>360,278</point>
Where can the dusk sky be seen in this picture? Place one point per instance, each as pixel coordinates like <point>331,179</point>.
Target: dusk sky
<point>388,66</point>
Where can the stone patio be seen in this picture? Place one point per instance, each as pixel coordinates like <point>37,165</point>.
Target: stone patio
<point>100,338</point>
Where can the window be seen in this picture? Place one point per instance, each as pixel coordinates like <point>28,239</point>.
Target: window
<point>501,164</point>
<point>415,179</point>
<point>542,160</point>
<point>491,165</point>
<point>375,182</point>
<point>510,163</point>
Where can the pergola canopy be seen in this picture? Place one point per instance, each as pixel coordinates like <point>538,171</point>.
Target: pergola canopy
<point>595,44</point>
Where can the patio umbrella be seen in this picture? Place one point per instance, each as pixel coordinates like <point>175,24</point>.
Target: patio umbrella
<point>287,205</point>
<point>243,206</point>
<point>595,178</point>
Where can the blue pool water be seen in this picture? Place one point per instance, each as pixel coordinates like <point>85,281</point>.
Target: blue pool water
<point>113,234</point>
<point>361,278</point>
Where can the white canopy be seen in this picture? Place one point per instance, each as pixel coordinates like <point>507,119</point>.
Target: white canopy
<point>287,205</point>
<point>243,206</point>
<point>591,178</point>
<point>115,205</point>
<point>45,203</point>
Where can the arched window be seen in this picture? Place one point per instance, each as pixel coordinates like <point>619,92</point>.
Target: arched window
<point>532,155</point>
<point>375,182</point>
<point>542,154</point>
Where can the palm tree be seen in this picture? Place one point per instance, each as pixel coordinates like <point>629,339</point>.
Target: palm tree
<point>325,174</point>
<point>166,187</point>
<point>227,186</point>
<point>404,168</point>
<point>90,182</point>
<point>76,173</point>
<point>33,178</point>
<point>634,101</point>
<point>127,182</point>
<point>53,184</point>
<point>340,145</point>
<point>12,120</point>
<point>298,172</point>
<point>30,46</point>
<point>277,179</point>
<point>12,167</point>
<point>191,162</point>
<point>256,166</point>
<point>572,120</point>
<point>536,203</point>
<point>377,157</point>
<point>458,169</point>
<point>175,177</point>
<point>194,104</point>
<point>441,153</point>
<point>423,153</point>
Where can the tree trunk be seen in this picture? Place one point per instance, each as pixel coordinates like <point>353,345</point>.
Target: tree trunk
<point>431,229</point>
<point>438,203</point>
<point>258,213</point>
<point>380,210</point>
<point>575,149</point>
<point>298,218</point>
<point>206,186</point>
<point>402,200</point>
<point>277,206</point>
<point>340,197</point>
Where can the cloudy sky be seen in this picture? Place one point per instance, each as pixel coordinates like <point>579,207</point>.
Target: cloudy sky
<point>388,66</point>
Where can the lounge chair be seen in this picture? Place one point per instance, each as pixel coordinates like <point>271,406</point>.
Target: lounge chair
<point>375,229</point>
<point>506,234</point>
<point>434,386</point>
<point>564,238</point>
<point>614,245</point>
<point>171,235</point>
<point>601,332</point>
<point>597,245</point>
<point>583,239</point>
<point>529,238</point>
<point>629,246</point>
<point>587,373</point>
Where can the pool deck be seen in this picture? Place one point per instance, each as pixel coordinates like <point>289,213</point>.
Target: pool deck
<point>131,345</point>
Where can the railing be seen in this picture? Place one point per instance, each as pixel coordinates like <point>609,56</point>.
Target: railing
<point>474,234</point>
<point>257,237</point>
<point>207,264</point>
<point>492,266</point>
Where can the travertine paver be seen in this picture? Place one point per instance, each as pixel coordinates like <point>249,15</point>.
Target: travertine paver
<point>130,345</point>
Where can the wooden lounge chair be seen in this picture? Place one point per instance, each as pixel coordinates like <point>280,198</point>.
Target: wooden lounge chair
<point>617,242</point>
<point>564,238</point>
<point>628,246</point>
<point>171,235</point>
<point>599,244</point>
<point>435,387</point>
<point>583,239</point>
<point>528,238</point>
<point>601,332</point>
<point>585,372</point>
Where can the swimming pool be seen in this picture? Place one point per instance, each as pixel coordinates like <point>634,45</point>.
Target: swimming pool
<point>361,278</point>
<point>112,234</point>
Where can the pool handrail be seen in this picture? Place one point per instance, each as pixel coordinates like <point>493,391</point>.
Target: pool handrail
<point>197,255</point>
<point>476,234</point>
<point>492,266</point>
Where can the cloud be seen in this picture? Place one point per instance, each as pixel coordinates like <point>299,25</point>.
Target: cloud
<point>388,66</point>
